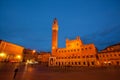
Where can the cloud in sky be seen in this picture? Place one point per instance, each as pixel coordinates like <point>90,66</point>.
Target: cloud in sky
<point>102,39</point>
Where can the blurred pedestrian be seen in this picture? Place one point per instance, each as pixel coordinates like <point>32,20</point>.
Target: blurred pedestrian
<point>15,73</point>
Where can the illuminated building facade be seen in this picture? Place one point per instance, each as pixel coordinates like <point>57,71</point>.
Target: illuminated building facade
<point>110,56</point>
<point>43,57</point>
<point>30,55</point>
<point>74,54</point>
<point>10,52</point>
<point>54,35</point>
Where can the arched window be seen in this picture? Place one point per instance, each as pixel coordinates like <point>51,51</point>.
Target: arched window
<point>92,63</point>
<point>84,63</point>
<point>75,63</point>
<point>74,49</point>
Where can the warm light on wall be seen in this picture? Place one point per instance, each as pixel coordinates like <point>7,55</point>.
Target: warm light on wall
<point>18,57</point>
<point>2,54</point>
<point>34,51</point>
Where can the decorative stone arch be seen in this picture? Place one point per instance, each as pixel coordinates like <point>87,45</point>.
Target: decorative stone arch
<point>52,61</point>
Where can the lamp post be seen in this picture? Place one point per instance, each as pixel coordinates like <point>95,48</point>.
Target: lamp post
<point>2,56</point>
<point>33,51</point>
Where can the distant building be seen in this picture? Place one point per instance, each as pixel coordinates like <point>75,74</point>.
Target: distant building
<point>78,54</point>
<point>74,54</point>
<point>43,57</point>
<point>29,54</point>
<point>110,56</point>
<point>10,52</point>
<point>112,48</point>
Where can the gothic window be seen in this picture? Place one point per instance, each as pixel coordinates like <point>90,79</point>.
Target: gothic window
<point>75,63</point>
<point>106,55</point>
<point>114,54</point>
<point>79,63</point>
<point>87,56</point>
<point>68,51</point>
<point>92,63</point>
<point>117,62</point>
<point>90,48</point>
<point>119,54</point>
<point>91,56</point>
<point>83,56</point>
<point>111,55</point>
<point>75,57</point>
<point>65,50</point>
<point>68,62</point>
<point>103,55</point>
<point>82,49</point>
<point>74,49</point>
<point>77,44</point>
<point>83,63</point>
<point>62,63</point>
<point>72,63</point>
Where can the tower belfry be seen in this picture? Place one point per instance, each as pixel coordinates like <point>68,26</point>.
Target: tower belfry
<point>54,35</point>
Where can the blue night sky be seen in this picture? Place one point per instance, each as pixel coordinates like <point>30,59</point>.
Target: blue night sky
<point>29,22</point>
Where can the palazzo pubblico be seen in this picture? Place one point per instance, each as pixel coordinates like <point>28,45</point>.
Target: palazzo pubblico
<point>76,53</point>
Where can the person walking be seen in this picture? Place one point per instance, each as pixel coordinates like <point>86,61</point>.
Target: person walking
<point>15,73</point>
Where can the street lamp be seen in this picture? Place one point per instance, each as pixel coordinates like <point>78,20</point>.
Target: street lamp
<point>18,57</point>
<point>33,51</point>
<point>2,56</point>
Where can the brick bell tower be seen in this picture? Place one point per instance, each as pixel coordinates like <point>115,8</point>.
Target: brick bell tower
<point>54,36</point>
